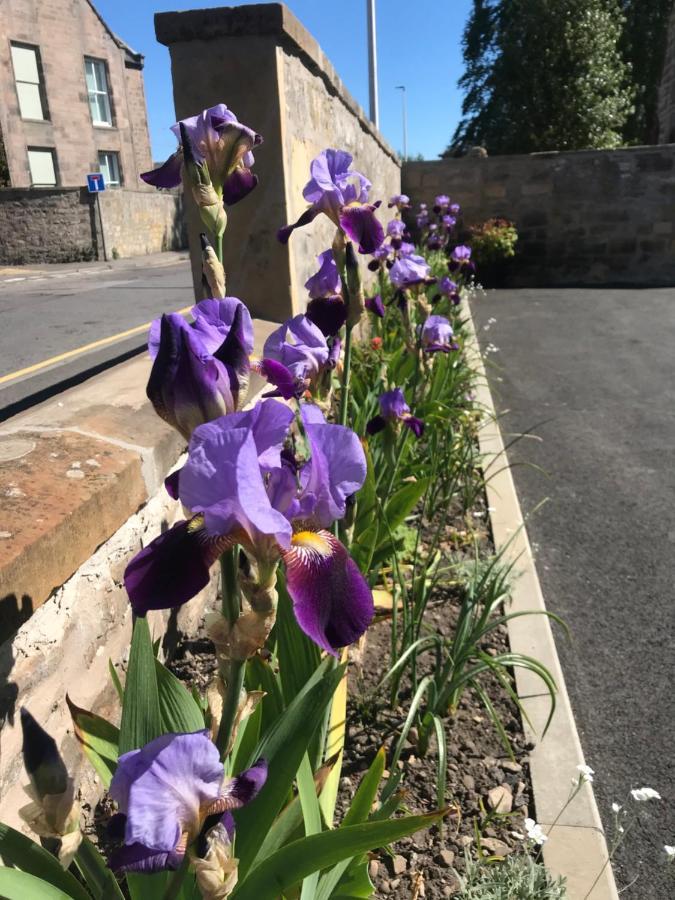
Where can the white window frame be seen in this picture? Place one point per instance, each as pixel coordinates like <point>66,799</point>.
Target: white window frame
<point>100,91</point>
<point>51,152</point>
<point>105,168</point>
<point>35,82</point>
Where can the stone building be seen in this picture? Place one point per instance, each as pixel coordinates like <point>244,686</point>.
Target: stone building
<point>71,98</point>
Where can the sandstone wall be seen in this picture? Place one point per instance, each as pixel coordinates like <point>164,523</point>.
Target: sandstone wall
<point>46,225</point>
<point>136,222</point>
<point>263,64</point>
<point>62,224</point>
<point>586,217</point>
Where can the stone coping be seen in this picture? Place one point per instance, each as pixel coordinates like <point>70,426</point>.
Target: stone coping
<point>544,154</point>
<point>72,472</point>
<point>264,19</point>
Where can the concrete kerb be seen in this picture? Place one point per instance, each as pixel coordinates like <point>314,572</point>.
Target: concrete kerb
<point>576,847</point>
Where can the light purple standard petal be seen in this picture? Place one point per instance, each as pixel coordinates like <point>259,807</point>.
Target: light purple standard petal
<point>331,599</point>
<point>214,319</point>
<point>336,468</point>
<point>168,175</point>
<point>170,570</point>
<point>299,345</point>
<point>437,334</point>
<point>447,286</point>
<point>326,282</point>
<point>399,200</point>
<point>333,184</point>
<point>393,405</point>
<point>443,201</point>
<point>395,228</point>
<point>408,271</point>
<point>363,227</point>
<point>223,477</point>
<point>165,788</point>
<point>462,253</point>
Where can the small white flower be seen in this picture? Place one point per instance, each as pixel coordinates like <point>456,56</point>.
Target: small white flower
<point>645,793</point>
<point>670,852</point>
<point>518,836</point>
<point>535,832</point>
<point>616,807</point>
<point>586,773</point>
<point>621,829</point>
<point>492,320</point>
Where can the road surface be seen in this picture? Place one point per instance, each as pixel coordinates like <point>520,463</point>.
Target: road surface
<point>592,374</point>
<point>67,315</point>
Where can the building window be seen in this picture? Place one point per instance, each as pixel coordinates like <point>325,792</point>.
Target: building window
<point>109,166</point>
<point>99,94</point>
<point>29,84</point>
<point>42,163</point>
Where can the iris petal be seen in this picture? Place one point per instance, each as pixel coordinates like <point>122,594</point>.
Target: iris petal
<point>238,185</point>
<point>139,858</point>
<point>168,175</point>
<point>331,599</point>
<point>363,227</point>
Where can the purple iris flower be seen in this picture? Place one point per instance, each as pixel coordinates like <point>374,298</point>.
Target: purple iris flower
<point>341,194</point>
<point>166,791</point>
<point>218,139</point>
<point>400,201</point>
<point>422,219</point>
<point>409,271</point>
<point>449,222</point>
<point>442,201</point>
<point>241,488</point>
<point>450,289</point>
<point>461,259</point>
<point>393,408</point>
<point>301,347</point>
<point>200,371</point>
<point>437,335</point>
<point>396,228</point>
<point>326,308</point>
<point>454,209</point>
<point>375,305</point>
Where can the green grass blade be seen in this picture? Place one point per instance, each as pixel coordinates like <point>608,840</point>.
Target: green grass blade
<point>311,814</point>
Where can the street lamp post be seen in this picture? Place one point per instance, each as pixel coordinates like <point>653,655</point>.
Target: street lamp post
<point>401,88</point>
<point>372,64</point>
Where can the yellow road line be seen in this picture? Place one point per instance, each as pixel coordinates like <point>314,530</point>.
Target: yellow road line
<point>70,353</point>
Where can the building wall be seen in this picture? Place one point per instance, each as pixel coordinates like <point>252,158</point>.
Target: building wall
<point>263,64</point>
<point>39,225</point>
<point>66,31</point>
<point>667,89</point>
<point>586,217</point>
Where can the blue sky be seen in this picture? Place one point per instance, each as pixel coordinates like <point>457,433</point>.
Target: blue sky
<point>419,45</point>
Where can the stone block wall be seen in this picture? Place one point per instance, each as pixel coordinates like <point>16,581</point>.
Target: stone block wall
<point>46,225</point>
<point>667,88</point>
<point>263,64</point>
<point>585,217</point>
<point>136,222</point>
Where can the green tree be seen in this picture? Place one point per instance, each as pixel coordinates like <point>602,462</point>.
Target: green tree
<point>643,44</point>
<point>543,75</point>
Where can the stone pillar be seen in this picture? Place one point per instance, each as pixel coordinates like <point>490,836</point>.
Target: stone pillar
<point>263,64</point>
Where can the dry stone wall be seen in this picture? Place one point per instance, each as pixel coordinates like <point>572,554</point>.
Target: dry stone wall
<point>45,225</point>
<point>586,217</point>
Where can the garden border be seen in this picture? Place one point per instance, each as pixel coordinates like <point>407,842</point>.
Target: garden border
<point>577,847</point>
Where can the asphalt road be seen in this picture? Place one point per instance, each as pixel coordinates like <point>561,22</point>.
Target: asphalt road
<point>61,309</point>
<point>592,374</point>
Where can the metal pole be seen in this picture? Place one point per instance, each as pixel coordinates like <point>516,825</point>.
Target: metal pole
<point>401,88</point>
<point>372,64</point>
<point>100,218</point>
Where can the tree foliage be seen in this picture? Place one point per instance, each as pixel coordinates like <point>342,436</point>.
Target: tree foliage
<point>543,75</point>
<point>643,43</point>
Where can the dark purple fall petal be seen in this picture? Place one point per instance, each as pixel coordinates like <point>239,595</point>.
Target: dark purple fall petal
<point>328,313</point>
<point>139,858</point>
<point>171,570</point>
<point>377,423</point>
<point>238,185</point>
<point>284,233</point>
<point>331,599</point>
<point>415,425</point>
<point>246,786</point>
<point>361,225</point>
<point>168,175</point>
<point>285,382</point>
<point>375,305</point>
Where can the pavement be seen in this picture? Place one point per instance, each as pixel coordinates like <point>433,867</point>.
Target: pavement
<point>588,374</point>
<point>64,322</point>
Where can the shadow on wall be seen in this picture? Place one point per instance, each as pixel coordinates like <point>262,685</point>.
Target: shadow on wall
<point>9,690</point>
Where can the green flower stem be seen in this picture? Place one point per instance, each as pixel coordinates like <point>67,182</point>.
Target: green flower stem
<point>175,884</point>
<point>219,248</point>
<point>346,373</point>
<point>232,670</point>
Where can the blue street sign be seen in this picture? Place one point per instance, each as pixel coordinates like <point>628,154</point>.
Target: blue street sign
<point>95,182</point>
